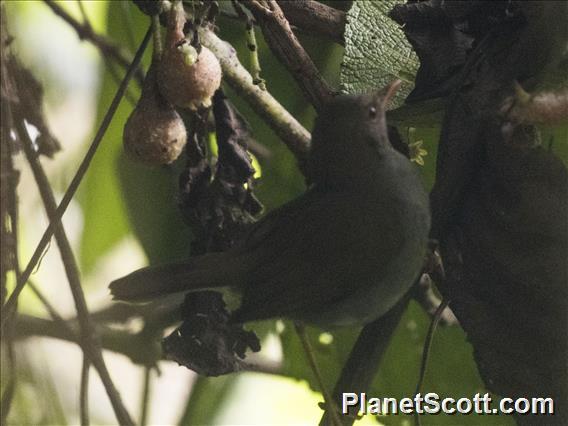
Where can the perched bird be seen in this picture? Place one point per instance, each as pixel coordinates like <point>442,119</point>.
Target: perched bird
<point>343,253</point>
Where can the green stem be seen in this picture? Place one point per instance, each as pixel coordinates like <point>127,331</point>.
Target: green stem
<point>156,38</point>
<point>292,133</point>
<point>426,350</point>
<point>255,63</point>
<point>331,407</point>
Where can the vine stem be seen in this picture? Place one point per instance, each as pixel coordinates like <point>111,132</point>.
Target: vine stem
<point>426,351</point>
<point>74,185</point>
<point>146,391</point>
<point>84,391</point>
<point>157,38</point>
<point>331,407</point>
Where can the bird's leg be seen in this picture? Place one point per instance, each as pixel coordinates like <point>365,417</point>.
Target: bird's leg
<point>330,404</point>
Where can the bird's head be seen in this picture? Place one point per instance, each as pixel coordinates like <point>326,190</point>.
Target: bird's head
<point>350,135</point>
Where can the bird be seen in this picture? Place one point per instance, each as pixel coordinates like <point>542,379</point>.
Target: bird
<point>341,254</point>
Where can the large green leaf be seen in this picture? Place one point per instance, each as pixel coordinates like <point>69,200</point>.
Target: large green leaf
<point>100,195</point>
<point>376,50</point>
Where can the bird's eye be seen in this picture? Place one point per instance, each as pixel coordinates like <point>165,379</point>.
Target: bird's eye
<point>372,112</point>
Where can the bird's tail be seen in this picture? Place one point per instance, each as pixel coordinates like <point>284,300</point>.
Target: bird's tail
<point>213,270</point>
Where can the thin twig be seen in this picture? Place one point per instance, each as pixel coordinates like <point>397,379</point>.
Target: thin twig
<point>424,294</point>
<point>85,32</point>
<point>292,133</point>
<point>426,350</point>
<point>89,338</point>
<point>315,18</point>
<point>128,95</point>
<point>9,334</point>
<point>84,391</point>
<point>330,406</point>
<point>251,44</point>
<point>10,219</point>
<point>157,38</point>
<point>364,360</point>
<point>118,341</point>
<point>9,390</point>
<point>145,400</point>
<point>110,65</point>
<point>73,186</point>
<point>286,47</point>
<point>86,21</point>
<point>133,346</point>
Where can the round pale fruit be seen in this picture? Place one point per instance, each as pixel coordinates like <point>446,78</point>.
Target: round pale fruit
<point>154,133</point>
<point>188,79</point>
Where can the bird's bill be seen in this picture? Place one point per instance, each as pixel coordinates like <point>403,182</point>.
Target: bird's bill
<point>388,92</point>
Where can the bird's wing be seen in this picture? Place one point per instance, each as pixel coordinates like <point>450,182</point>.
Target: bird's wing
<point>317,250</point>
<point>212,270</point>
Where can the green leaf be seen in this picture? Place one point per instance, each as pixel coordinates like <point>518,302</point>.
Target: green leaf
<point>376,50</point>
<point>451,370</point>
<point>100,196</point>
<point>150,195</point>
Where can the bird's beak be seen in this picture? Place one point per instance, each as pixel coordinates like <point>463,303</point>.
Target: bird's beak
<point>388,92</point>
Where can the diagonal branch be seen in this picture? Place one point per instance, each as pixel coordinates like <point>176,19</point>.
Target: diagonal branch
<point>292,133</point>
<point>10,304</point>
<point>89,336</point>
<point>137,346</point>
<point>85,32</point>
<point>313,17</point>
<point>286,47</point>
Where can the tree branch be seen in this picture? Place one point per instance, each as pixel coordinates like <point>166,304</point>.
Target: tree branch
<point>283,123</point>
<point>84,391</point>
<point>286,47</point>
<point>292,133</point>
<point>312,17</point>
<point>137,347</point>
<point>91,347</point>
<point>85,32</point>
<point>9,306</point>
<point>309,17</point>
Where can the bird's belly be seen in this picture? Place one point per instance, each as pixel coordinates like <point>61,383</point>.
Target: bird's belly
<point>376,297</point>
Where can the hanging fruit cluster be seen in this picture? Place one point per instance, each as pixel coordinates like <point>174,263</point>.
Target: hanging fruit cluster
<point>185,75</point>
